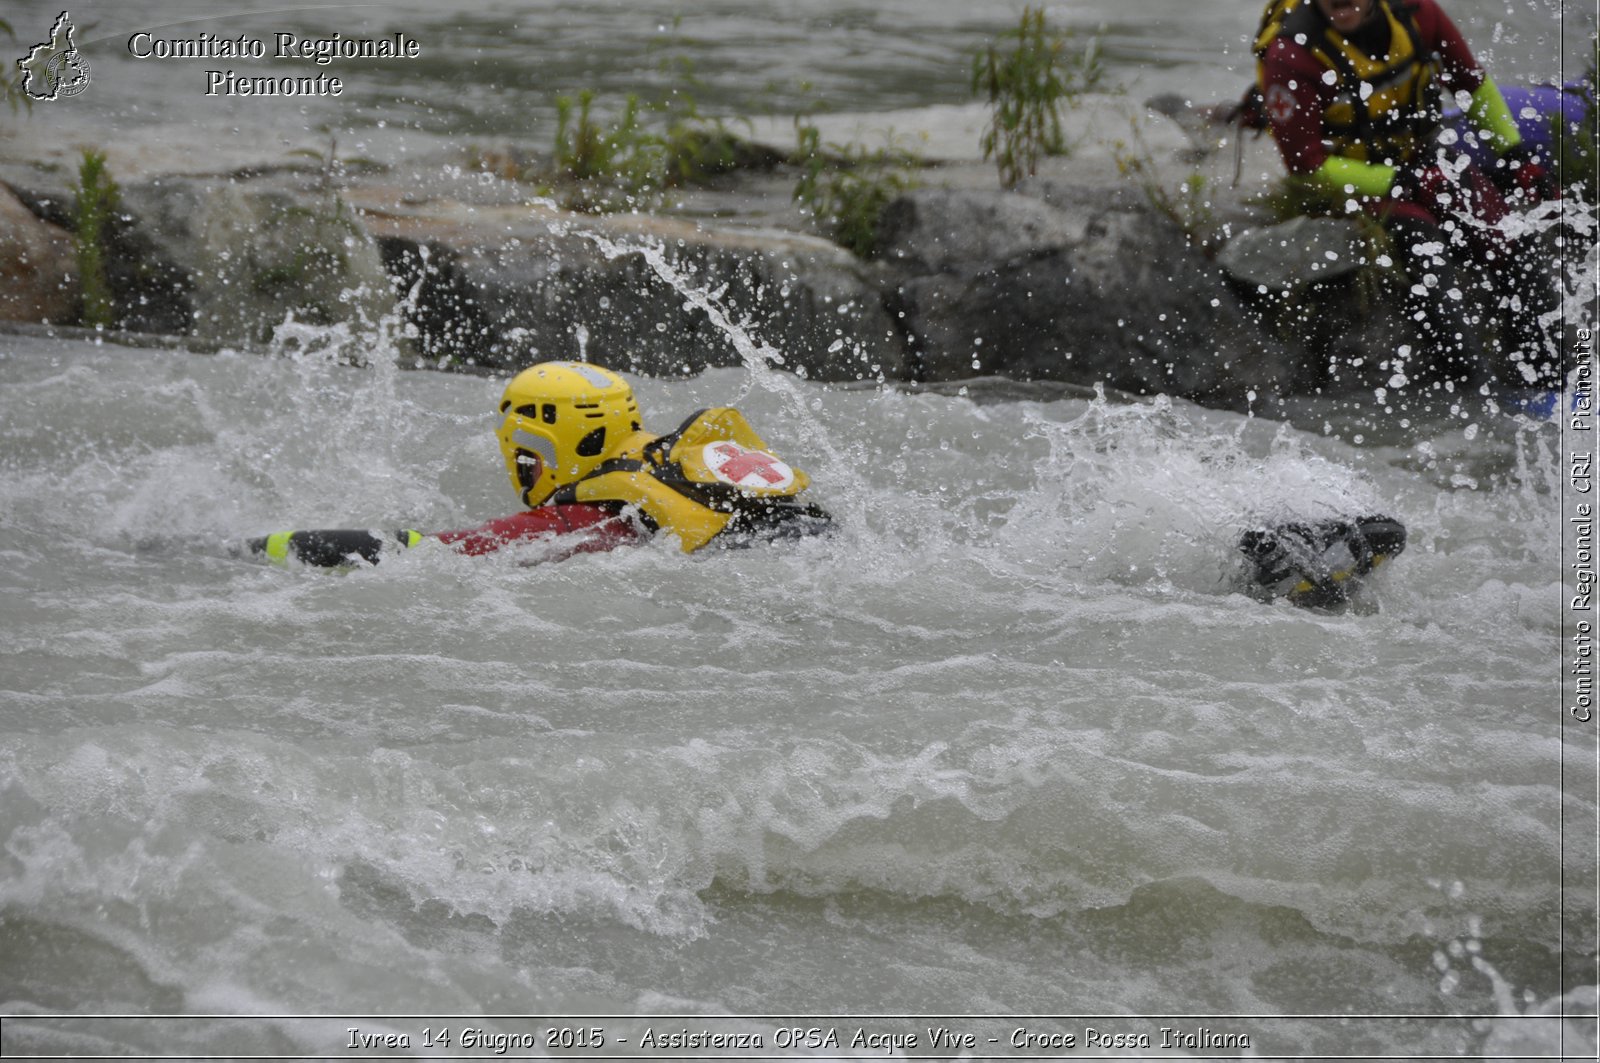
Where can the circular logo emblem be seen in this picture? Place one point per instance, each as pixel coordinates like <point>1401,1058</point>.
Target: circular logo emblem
<point>732,464</point>
<point>1280,103</point>
<point>67,73</point>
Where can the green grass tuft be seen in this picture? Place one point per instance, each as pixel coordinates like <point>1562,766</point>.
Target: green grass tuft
<point>846,189</point>
<point>95,204</point>
<point>1028,75</point>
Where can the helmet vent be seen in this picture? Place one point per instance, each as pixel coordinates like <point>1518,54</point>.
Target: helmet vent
<point>534,411</point>
<point>592,445</point>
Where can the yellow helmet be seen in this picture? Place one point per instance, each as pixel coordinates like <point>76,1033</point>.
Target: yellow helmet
<point>558,421</point>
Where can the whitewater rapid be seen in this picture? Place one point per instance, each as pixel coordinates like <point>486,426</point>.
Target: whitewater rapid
<point>1010,741</point>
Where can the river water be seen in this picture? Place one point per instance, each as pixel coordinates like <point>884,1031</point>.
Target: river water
<point>492,69</point>
<point>1011,742</point>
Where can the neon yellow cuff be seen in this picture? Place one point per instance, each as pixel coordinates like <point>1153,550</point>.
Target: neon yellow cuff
<point>278,546</point>
<point>1368,178</point>
<point>1491,115</point>
<point>410,538</point>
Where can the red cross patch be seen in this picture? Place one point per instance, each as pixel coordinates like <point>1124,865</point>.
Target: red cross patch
<point>733,464</point>
<point>1280,104</point>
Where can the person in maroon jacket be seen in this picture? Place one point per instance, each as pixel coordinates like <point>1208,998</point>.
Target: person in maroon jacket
<point>1352,93</point>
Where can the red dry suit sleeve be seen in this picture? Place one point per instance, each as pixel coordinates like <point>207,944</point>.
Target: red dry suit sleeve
<point>1294,96</point>
<point>593,529</point>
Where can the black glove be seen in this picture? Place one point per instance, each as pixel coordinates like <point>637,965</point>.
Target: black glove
<point>329,548</point>
<point>1520,172</point>
<point>1249,112</point>
<point>1315,564</point>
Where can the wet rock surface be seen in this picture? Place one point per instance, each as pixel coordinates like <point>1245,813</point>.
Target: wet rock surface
<point>1067,286</point>
<point>1078,276</point>
<point>38,278</point>
<point>502,286</point>
<point>257,252</point>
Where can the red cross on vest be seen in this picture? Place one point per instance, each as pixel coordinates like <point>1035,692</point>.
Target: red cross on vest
<point>741,463</point>
<point>1280,104</point>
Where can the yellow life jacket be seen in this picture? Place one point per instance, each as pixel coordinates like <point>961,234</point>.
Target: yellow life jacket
<point>1383,108</point>
<point>712,476</point>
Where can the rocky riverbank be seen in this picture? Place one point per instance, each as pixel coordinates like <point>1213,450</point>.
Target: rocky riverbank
<point>1138,261</point>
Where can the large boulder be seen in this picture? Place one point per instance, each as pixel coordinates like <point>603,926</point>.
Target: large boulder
<point>262,252</point>
<point>503,286</point>
<point>936,230</point>
<point>38,266</point>
<point>148,291</point>
<point>1295,253</point>
<point>1072,286</point>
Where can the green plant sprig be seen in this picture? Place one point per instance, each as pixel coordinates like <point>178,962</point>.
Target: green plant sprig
<point>1028,75</point>
<point>646,149</point>
<point>846,188</point>
<point>95,204</point>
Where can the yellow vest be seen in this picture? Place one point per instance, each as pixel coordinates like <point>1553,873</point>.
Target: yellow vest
<point>1382,108</point>
<point>712,475</point>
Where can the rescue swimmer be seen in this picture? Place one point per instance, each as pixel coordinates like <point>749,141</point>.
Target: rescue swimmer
<point>1318,564</point>
<point>1353,93</point>
<point>592,478</point>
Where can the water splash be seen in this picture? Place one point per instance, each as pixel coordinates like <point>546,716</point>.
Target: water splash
<point>763,363</point>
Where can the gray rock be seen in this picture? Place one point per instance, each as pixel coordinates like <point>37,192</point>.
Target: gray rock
<point>933,230</point>
<point>38,266</point>
<point>149,293</point>
<point>506,288</point>
<point>259,252</point>
<point>1112,296</point>
<point>1055,281</point>
<point>1295,253</point>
